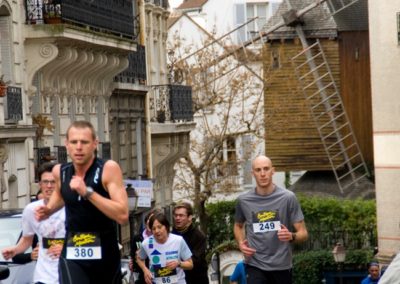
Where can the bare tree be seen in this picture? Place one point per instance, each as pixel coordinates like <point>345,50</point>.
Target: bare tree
<point>227,103</point>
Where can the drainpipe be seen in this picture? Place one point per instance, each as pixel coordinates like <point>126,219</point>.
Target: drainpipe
<point>142,41</point>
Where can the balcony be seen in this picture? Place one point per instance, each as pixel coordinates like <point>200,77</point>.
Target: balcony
<point>106,16</point>
<point>171,103</point>
<point>136,71</point>
<point>161,3</point>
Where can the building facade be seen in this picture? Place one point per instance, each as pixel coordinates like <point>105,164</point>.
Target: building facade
<point>79,60</point>
<point>384,31</point>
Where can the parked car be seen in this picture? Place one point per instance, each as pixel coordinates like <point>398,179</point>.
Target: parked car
<point>10,230</point>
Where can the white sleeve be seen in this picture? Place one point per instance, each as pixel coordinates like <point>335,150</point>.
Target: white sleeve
<point>28,216</point>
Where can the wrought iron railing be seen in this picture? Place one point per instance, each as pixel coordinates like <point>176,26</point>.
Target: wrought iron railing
<point>136,71</point>
<point>161,3</point>
<point>171,103</point>
<point>105,150</point>
<point>108,16</point>
<point>13,110</point>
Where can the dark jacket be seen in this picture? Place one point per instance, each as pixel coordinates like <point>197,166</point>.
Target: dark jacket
<point>197,242</point>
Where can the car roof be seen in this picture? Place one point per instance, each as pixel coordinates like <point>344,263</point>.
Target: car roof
<point>10,212</point>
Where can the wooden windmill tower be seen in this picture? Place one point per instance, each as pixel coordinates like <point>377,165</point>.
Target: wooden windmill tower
<point>333,145</point>
<point>321,136</point>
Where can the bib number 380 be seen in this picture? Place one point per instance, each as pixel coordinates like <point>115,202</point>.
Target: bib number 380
<point>266,226</point>
<point>83,253</point>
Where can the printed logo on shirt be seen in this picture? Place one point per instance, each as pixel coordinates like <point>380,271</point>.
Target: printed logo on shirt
<point>96,176</point>
<point>171,255</point>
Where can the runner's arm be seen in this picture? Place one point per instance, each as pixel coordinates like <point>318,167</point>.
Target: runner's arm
<point>116,207</point>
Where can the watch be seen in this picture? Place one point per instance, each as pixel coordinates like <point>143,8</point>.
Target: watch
<point>293,237</point>
<point>89,192</point>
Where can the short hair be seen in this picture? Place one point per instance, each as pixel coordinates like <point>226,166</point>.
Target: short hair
<point>45,168</point>
<point>38,193</point>
<point>161,218</point>
<point>82,124</point>
<point>151,213</point>
<point>373,263</point>
<point>186,205</point>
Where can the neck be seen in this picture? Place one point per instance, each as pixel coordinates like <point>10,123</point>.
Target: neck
<point>183,229</point>
<point>80,170</point>
<point>267,190</point>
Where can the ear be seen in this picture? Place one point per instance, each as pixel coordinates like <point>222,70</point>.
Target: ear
<point>190,218</point>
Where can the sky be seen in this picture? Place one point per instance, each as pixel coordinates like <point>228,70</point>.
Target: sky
<point>175,3</point>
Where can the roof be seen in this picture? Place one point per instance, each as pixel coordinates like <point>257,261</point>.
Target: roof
<point>173,18</point>
<point>191,4</point>
<point>324,184</point>
<point>318,22</point>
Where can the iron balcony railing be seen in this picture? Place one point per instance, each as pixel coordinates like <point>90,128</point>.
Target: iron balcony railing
<point>161,3</point>
<point>109,16</point>
<point>136,71</point>
<point>171,103</point>
<point>13,105</point>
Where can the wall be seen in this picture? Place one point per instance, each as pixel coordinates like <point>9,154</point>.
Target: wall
<point>385,86</point>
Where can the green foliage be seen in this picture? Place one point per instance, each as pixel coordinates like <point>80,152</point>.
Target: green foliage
<point>308,266</point>
<point>352,222</point>
<point>221,220</point>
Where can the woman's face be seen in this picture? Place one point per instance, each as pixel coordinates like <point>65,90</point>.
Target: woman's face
<point>160,232</point>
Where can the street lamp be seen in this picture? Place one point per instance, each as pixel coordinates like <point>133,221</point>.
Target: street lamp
<point>132,197</point>
<point>339,254</point>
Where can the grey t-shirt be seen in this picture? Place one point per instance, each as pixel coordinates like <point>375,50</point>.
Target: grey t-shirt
<point>261,216</point>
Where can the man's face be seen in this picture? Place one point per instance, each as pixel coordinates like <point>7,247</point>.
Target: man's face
<point>374,272</point>
<point>47,184</point>
<point>181,218</point>
<point>263,171</point>
<point>80,145</point>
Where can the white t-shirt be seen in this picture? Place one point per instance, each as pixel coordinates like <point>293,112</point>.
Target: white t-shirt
<point>175,248</point>
<point>46,270</point>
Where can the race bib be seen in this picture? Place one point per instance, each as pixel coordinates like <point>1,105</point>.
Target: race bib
<point>268,226</point>
<point>83,246</point>
<point>165,275</point>
<point>48,242</point>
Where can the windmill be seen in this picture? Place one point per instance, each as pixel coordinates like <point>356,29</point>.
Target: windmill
<point>320,91</point>
<point>323,97</point>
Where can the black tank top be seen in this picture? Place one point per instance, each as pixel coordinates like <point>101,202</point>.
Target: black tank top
<point>81,214</point>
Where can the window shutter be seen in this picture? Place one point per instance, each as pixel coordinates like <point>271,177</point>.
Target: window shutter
<point>5,48</point>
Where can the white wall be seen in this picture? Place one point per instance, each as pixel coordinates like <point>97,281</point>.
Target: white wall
<point>385,85</point>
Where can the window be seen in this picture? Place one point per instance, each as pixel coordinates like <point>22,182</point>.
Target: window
<point>256,10</point>
<point>228,163</point>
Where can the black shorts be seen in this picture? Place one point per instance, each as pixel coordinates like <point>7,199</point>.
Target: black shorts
<point>106,270</point>
<point>258,276</point>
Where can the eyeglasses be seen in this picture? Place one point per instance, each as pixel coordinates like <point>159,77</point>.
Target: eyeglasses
<point>180,215</point>
<point>48,182</point>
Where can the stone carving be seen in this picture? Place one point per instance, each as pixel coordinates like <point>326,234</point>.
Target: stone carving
<point>3,159</point>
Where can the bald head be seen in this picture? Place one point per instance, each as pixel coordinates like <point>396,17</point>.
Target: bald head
<point>263,171</point>
<point>261,160</point>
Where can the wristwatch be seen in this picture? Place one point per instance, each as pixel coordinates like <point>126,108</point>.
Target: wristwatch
<point>293,237</point>
<point>89,192</point>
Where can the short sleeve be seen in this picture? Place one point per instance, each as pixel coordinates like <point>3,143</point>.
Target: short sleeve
<point>142,251</point>
<point>185,251</point>
<point>27,217</point>
<point>239,216</point>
